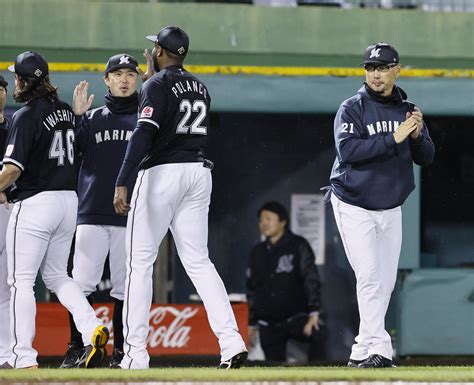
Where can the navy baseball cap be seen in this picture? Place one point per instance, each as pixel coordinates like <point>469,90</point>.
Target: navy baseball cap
<point>173,39</point>
<point>3,82</point>
<point>381,53</point>
<point>122,60</point>
<point>30,65</point>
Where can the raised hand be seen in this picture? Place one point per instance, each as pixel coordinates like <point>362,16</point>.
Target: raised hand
<point>150,71</point>
<point>80,102</point>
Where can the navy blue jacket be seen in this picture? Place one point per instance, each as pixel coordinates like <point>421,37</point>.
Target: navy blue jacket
<point>371,170</point>
<point>102,138</point>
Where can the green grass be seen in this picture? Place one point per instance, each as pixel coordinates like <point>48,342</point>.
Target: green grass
<point>418,373</point>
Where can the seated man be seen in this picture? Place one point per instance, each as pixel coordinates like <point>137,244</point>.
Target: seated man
<point>283,286</point>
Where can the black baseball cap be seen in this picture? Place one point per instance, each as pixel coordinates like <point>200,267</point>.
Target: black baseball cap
<point>30,65</point>
<point>173,39</point>
<point>381,53</point>
<point>3,82</point>
<point>122,60</point>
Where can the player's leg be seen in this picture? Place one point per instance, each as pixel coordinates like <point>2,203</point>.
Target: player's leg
<point>190,232</point>
<point>117,277</point>
<point>4,289</point>
<point>147,224</point>
<point>357,229</point>
<point>28,234</point>
<point>389,241</point>
<point>54,273</point>
<point>90,252</point>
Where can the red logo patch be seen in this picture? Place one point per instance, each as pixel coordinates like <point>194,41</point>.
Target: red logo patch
<point>147,112</point>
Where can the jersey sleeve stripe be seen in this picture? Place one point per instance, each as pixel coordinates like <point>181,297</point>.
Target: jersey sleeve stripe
<point>15,162</point>
<point>149,121</point>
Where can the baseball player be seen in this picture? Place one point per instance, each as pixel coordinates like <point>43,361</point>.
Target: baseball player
<point>172,190</point>
<point>378,136</point>
<point>40,160</point>
<point>102,136</point>
<point>4,216</point>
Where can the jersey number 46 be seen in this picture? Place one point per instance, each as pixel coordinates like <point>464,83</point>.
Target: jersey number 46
<point>59,151</point>
<point>195,127</point>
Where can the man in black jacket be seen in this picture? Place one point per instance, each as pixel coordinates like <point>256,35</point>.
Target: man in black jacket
<point>283,286</point>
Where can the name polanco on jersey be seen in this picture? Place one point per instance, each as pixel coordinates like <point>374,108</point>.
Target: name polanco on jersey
<point>106,135</point>
<point>57,116</point>
<point>188,86</point>
<point>383,126</point>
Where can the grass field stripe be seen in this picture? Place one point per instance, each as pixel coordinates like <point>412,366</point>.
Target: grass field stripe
<point>270,71</point>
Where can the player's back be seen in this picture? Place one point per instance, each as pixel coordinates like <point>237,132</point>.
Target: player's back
<point>178,104</point>
<point>41,144</point>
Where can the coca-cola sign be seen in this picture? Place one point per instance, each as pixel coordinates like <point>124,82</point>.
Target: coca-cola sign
<point>173,329</point>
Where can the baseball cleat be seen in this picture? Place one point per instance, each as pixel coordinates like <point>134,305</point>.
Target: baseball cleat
<point>376,361</point>
<point>96,353</point>
<point>235,362</point>
<point>73,356</point>
<point>6,365</point>
<point>354,363</point>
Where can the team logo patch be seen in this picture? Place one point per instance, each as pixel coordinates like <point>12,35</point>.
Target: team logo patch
<point>9,150</point>
<point>375,53</point>
<point>147,112</point>
<point>124,60</point>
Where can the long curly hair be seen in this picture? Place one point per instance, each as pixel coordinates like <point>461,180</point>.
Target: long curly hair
<point>29,88</point>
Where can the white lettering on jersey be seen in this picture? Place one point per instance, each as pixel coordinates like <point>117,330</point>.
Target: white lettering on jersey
<point>108,135</point>
<point>181,88</point>
<point>382,126</point>
<point>58,116</point>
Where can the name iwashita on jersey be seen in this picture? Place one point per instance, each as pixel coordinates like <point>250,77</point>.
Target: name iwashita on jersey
<point>106,135</point>
<point>182,87</point>
<point>57,116</point>
<point>383,126</point>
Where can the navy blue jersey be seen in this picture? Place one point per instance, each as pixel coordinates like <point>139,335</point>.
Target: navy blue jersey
<point>102,138</point>
<point>177,104</point>
<point>371,170</point>
<point>41,143</point>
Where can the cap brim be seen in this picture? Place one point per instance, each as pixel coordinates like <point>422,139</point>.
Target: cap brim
<point>11,68</point>
<point>152,38</point>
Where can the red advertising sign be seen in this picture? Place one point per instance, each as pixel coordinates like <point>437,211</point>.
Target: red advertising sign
<point>174,329</point>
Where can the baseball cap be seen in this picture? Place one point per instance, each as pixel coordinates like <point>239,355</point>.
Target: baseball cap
<point>3,82</point>
<point>173,39</point>
<point>381,53</point>
<point>122,60</point>
<point>30,65</point>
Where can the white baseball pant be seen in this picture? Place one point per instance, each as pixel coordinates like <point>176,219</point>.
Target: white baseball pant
<point>93,243</point>
<point>175,196</point>
<point>372,241</point>
<point>4,289</point>
<point>39,237</point>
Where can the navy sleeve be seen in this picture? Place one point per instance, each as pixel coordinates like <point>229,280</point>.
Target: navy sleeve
<point>137,149</point>
<point>422,148</point>
<point>351,146</point>
<point>153,102</point>
<point>19,142</point>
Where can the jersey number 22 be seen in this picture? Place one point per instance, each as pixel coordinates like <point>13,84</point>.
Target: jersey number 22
<point>195,127</point>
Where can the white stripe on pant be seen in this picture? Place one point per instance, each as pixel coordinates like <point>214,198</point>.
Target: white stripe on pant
<point>174,196</point>
<point>39,237</point>
<point>372,241</point>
